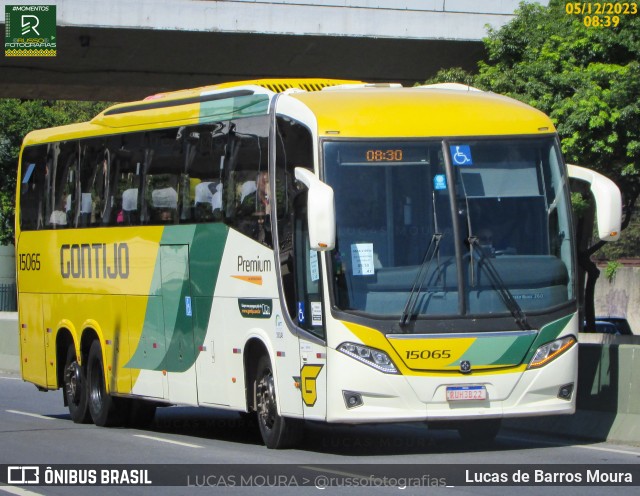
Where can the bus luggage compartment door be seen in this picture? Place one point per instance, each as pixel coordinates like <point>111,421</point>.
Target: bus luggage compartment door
<point>32,339</point>
<point>178,323</point>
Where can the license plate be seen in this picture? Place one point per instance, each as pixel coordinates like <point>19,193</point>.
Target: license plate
<point>466,393</point>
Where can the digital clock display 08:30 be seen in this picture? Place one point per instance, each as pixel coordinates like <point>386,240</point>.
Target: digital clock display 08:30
<point>384,155</point>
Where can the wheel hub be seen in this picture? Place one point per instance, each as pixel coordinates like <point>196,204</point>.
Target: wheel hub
<point>72,381</point>
<point>266,400</point>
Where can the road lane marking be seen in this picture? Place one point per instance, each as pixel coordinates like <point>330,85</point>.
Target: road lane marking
<point>610,450</point>
<point>336,472</point>
<point>18,491</point>
<point>11,378</point>
<point>162,440</point>
<point>571,445</point>
<point>561,443</point>
<point>35,415</point>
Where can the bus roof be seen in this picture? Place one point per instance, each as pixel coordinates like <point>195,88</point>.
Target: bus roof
<point>421,111</point>
<point>342,107</point>
<point>180,107</point>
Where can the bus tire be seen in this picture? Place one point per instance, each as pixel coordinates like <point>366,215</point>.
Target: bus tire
<point>277,432</point>
<point>74,388</point>
<point>105,409</point>
<point>481,431</point>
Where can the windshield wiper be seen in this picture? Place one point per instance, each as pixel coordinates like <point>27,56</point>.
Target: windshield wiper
<point>483,260</point>
<point>429,254</point>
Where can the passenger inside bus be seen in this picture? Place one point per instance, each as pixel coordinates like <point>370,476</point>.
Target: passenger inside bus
<point>130,206</point>
<point>59,216</point>
<point>165,204</point>
<point>208,201</point>
<point>87,210</point>
<point>253,208</point>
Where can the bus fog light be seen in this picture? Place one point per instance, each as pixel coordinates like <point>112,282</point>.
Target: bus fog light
<point>565,392</point>
<point>551,351</point>
<point>351,399</point>
<point>373,357</point>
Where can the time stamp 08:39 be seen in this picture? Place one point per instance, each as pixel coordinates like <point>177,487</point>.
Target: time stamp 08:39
<point>601,14</point>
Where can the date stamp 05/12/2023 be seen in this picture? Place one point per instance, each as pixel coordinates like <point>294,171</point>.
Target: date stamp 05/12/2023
<point>601,14</point>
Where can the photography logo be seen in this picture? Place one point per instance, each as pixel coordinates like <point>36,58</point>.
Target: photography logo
<point>30,31</point>
<point>23,475</point>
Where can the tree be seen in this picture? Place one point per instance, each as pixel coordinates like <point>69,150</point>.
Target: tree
<point>17,118</point>
<point>587,79</point>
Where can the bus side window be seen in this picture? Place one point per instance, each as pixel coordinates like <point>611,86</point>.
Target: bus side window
<point>64,201</point>
<point>93,172</point>
<point>125,180</point>
<point>33,187</point>
<point>247,188</point>
<point>167,184</point>
<point>253,210</point>
<point>206,146</point>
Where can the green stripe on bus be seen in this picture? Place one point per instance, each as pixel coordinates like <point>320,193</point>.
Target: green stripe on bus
<point>498,350</point>
<point>186,272</point>
<point>512,350</point>
<point>548,333</point>
<point>233,108</point>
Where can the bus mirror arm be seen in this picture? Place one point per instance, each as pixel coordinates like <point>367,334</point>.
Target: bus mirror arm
<point>321,214</point>
<point>608,201</point>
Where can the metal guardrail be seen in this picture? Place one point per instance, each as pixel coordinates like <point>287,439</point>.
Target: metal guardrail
<point>8,298</point>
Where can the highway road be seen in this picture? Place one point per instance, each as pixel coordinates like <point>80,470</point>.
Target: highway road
<point>36,430</point>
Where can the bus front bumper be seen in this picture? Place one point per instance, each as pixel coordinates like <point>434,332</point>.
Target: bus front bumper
<point>401,398</point>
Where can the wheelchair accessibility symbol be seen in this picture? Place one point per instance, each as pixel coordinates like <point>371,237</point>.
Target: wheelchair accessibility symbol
<point>461,154</point>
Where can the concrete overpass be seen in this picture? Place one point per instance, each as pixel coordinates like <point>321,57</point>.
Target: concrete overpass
<point>120,50</point>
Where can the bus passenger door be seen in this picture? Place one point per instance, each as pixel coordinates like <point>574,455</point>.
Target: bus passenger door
<point>178,324</point>
<point>310,317</point>
<point>32,339</point>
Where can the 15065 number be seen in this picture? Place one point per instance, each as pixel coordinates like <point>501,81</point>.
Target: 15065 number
<point>427,354</point>
<point>29,261</point>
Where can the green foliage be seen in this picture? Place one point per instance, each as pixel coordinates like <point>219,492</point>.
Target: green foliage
<point>612,269</point>
<point>579,204</point>
<point>452,75</point>
<point>586,79</point>
<point>627,246</point>
<point>17,118</point>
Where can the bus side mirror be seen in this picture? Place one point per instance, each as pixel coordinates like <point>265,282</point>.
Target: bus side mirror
<point>321,213</point>
<point>608,201</point>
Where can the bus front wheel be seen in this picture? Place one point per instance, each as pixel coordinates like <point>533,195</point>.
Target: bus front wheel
<point>105,409</point>
<point>277,431</point>
<point>75,388</point>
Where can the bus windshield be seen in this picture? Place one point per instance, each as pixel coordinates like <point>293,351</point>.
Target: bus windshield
<point>461,227</point>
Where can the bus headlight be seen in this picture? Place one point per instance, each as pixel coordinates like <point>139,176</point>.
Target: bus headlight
<point>373,357</point>
<point>551,351</point>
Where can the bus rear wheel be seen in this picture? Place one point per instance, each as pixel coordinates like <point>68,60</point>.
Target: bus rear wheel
<point>277,432</point>
<point>105,409</point>
<point>75,388</point>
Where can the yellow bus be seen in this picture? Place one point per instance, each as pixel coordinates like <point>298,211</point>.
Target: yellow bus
<point>306,250</point>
